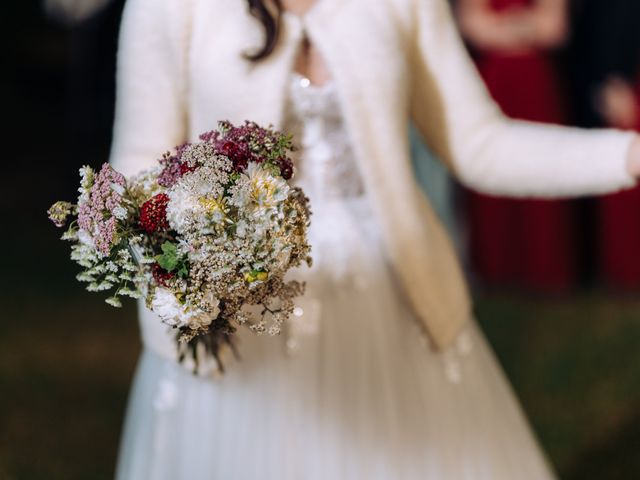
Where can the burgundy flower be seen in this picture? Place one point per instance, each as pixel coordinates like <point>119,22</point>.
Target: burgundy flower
<point>171,171</point>
<point>286,167</point>
<point>173,167</point>
<point>184,168</point>
<point>251,143</point>
<point>160,275</point>
<point>153,213</point>
<point>238,153</point>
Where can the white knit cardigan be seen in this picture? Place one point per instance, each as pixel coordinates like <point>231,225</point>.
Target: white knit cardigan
<point>180,70</point>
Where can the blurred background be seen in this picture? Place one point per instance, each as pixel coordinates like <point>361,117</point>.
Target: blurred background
<point>66,358</point>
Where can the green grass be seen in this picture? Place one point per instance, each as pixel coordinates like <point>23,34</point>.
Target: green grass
<point>575,363</point>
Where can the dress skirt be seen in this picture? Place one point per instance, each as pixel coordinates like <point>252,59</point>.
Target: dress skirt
<point>352,390</point>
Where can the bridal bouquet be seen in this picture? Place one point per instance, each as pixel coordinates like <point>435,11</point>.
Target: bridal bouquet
<point>205,237</point>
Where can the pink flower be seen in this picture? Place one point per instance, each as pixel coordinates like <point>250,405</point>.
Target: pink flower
<point>97,215</point>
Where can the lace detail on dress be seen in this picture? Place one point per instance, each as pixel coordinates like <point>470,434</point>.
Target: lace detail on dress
<point>315,119</point>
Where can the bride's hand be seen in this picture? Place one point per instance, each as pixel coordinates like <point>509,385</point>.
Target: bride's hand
<point>633,158</point>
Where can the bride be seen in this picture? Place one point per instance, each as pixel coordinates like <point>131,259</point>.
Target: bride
<point>383,372</point>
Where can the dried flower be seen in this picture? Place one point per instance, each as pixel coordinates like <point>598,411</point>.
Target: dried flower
<point>59,212</point>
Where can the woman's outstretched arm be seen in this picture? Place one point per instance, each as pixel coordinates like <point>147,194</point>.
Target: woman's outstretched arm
<point>490,152</point>
<point>151,83</point>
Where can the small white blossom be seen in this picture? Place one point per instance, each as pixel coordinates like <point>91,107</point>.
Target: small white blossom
<point>183,207</point>
<point>87,176</point>
<point>85,238</point>
<point>120,212</point>
<point>114,302</point>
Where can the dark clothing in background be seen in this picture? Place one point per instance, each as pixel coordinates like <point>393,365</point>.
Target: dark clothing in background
<point>607,43</point>
<point>606,40</point>
<point>91,82</point>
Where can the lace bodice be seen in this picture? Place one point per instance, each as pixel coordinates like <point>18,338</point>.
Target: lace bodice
<point>326,169</point>
<point>313,115</point>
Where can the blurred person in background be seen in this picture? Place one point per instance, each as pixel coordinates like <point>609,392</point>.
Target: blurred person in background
<point>520,243</point>
<point>606,53</point>
<point>73,12</point>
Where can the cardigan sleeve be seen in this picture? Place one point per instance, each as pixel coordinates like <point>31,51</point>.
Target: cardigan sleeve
<point>150,115</point>
<point>488,151</point>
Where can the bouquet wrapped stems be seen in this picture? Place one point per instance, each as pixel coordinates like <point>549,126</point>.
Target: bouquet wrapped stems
<point>220,335</point>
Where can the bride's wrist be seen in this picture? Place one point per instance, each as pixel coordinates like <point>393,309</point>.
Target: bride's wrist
<point>633,157</point>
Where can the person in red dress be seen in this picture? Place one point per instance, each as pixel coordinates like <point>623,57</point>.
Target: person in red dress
<point>522,243</point>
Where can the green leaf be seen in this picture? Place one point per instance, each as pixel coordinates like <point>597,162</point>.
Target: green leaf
<point>171,261</point>
<point>169,258</point>
<point>169,248</point>
<point>183,271</point>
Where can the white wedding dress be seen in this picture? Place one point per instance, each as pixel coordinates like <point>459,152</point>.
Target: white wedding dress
<point>352,389</point>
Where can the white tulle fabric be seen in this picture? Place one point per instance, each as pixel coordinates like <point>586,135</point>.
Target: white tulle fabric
<point>352,389</point>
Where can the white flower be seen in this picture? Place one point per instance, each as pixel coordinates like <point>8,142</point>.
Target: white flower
<point>70,234</point>
<point>120,212</point>
<point>182,208</point>
<point>87,176</point>
<point>241,228</point>
<point>166,306</point>
<point>172,312</point>
<point>258,186</point>
<point>198,199</point>
<point>199,182</point>
<point>241,192</point>
<point>114,301</point>
<point>85,238</point>
<point>146,181</point>
<point>267,189</point>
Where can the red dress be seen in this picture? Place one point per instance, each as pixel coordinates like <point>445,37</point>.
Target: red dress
<point>619,233</point>
<point>522,243</point>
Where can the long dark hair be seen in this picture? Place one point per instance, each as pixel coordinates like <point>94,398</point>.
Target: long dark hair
<point>270,23</point>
